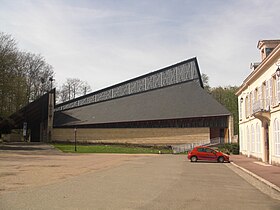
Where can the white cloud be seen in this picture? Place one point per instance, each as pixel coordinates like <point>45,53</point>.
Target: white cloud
<point>105,43</point>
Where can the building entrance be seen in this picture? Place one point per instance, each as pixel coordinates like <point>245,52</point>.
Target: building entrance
<point>266,143</point>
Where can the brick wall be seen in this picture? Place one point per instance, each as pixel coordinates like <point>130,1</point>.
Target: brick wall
<point>159,136</point>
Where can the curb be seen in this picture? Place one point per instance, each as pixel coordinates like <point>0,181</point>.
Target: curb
<point>269,184</point>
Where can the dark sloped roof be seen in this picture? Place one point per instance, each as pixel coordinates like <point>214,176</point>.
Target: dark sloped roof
<point>33,113</point>
<point>185,100</point>
<point>184,71</point>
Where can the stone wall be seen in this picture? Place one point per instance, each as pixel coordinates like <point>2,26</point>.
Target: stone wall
<point>147,136</point>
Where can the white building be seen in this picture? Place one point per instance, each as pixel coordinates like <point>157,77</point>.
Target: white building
<point>259,106</point>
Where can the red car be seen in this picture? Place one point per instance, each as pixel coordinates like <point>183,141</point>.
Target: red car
<point>207,154</point>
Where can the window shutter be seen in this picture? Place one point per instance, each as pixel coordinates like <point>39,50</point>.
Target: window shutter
<point>278,89</point>
<point>251,103</point>
<point>260,97</point>
<point>240,110</point>
<point>267,94</point>
<point>247,106</point>
<point>270,91</point>
<point>253,138</point>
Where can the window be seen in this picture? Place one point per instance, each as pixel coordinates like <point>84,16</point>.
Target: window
<point>253,138</point>
<point>240,110</point>
<point>241,139</point>
<point>264,95</point>
<point>278,89</point>
<point>259,93</point>
<point>277,137</point>
<point>268,51</point>
<point>268,93</point>
<point>258,138</point>
<point>254,98</point>
<point>247,107</point>
<point>251,104</point>
<point>274,100</point>
<point>200,149</point>
<point>209,150</point>
<point>248,139</point>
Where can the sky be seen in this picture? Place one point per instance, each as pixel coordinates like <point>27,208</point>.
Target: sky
<point>104,42</point>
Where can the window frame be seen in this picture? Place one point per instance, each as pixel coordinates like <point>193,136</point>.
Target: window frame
<point>276,132</point>
<point>252,138</point>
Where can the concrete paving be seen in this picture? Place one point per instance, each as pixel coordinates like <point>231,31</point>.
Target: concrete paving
<point>264,172</point>
<point>149,182</point>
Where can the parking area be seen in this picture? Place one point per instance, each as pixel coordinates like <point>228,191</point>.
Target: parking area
<point>54,180</point>
<point>24,165</point>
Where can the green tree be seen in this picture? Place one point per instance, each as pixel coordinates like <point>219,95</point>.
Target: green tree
<point>205,81</point>
<point>226,96</point>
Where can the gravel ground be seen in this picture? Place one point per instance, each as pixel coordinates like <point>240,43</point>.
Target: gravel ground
<point>23,166</point>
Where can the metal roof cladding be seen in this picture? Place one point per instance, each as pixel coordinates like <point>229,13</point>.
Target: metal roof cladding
<point>184,100</point>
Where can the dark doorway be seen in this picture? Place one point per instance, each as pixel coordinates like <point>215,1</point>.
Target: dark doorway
<point>35,133</point>
<point>217,133</point>
<point>266,142</point>
<point>222,135</point>
<point>33,115</point>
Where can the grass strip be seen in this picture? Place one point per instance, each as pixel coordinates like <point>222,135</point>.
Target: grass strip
<point>123,149</point>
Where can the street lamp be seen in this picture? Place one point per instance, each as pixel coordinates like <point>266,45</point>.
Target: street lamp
<point>51,79</point>
<point>278,68</point>
<point>278,71</point>
<point>75,135</point>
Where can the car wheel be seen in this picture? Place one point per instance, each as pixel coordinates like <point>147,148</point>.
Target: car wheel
<point>193,159</point>
<point>221,159</point>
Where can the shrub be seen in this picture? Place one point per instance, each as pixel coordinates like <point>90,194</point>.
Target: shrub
<point>229,148</point>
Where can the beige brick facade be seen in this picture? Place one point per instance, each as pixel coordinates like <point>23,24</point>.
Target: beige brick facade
<point>148,136</point>
<point>259,107</point>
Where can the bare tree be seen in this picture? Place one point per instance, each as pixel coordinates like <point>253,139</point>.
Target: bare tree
<point>12,84</point>
<point>73,88</point>
<point>21,76</point>
<point>85,88</point>
<point>37,73</point>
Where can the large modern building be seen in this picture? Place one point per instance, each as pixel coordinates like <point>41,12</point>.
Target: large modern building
<point>165,107</point>
<point>259,110</point>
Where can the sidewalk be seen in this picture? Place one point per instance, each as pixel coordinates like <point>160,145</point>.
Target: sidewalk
<point>266,173</point>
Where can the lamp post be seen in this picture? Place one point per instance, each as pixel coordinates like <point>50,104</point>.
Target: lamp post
<point>75,137</point>
<point>278,67</point>
<point>51,79</point>
<point>278,71</point>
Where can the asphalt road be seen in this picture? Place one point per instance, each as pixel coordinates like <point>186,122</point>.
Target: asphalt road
<point>153,182</point>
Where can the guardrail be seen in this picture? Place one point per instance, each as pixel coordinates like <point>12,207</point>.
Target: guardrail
<point>187,147</point>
